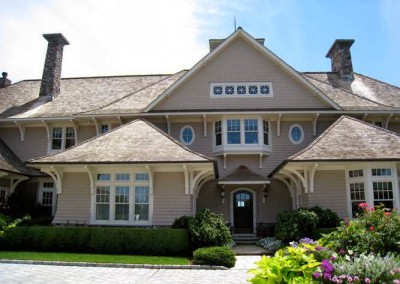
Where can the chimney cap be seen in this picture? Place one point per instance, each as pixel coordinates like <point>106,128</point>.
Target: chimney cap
<point>341,42</point>
<point>4,74</point>
<point>59,37</point>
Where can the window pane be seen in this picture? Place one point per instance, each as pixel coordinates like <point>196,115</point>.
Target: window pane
<point>229,90</point>
<point>142,177</point>
<point>47,198</point>
<point>142,202</point>
<point>122,177</point>
<point>104,128</point>
<point>122,212</point>
<point>106,177</point>
<point>241,90</point>
<point>253,90</point>
<point>233,131</point>
<point>217,90</point>
<point>266,132</point>
<point>383,193</point>
<point>251,131</point>
<point>69,137</point>
<point>187,135</point>
<point>142,210</point>
<point>56,138</point>
<point>218,133</point>
<point>102,212</point>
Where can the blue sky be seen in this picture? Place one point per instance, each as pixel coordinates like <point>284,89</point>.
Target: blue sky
<point>122,37</point>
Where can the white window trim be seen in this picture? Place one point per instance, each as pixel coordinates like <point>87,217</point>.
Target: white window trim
<point>368,180</point>
<point>301,131</point>
<point>63,138</point>
<point>112,183</point>
<point>181,135</point>
<point>47,189</point>
<point>242,148</point>
<point>236,84</point>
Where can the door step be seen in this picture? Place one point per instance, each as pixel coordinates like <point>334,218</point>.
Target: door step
<point>245,238</point>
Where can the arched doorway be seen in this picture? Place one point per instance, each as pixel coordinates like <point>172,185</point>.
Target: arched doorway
<point>243,211</point>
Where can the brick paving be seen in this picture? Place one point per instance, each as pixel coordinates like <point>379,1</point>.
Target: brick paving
<point>35,273</point>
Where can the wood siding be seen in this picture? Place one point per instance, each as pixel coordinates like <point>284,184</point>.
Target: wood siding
<point>170,201</point>
<point>240,62</point>
<point>73,205</point>
<point>330,192</point>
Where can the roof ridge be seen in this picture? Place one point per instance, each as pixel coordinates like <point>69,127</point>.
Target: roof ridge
<point>351,93</point>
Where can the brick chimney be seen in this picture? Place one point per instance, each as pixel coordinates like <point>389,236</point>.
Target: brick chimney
<point>4,82</point>
<point>340,56</point>
<point>51,78</point>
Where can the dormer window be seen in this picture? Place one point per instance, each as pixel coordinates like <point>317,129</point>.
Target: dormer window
<point>259,89</point>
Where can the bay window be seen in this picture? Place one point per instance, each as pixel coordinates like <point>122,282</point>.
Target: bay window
<point>241,134</point>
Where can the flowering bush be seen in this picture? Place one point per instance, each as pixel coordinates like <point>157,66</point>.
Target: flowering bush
<point>374,230</point>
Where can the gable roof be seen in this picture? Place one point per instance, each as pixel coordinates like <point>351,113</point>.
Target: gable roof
<point>363,93</point>
<point>9,162</point>
<point>241,33</point>
<point>79,95</point>
<point>134,143</point>
<point>243,174</point>
<point>349,139</point>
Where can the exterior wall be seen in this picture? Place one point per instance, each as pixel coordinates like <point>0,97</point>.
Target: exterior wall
<point>170,201</point>
<point>240,62</point>
<point>73,204</point>
<point>278,200</point>
<point>85,133</point>
<point>330,192</point>
<point>33,146</point>
<point>394,126</point>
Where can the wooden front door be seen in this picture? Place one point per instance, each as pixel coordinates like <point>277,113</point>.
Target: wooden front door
<point>243,212</point>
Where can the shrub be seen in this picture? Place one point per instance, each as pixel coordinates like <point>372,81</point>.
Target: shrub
<point>222,256</point>
<point>375,230</point>
<point>295,224</point>
<point>208,229</point>
<point>326,217</point>
<point>289,265</point>
<point>270,244</point>
<point>98,240</point>
<point>182,222</point>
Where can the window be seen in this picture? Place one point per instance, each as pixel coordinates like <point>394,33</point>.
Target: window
<point>296,134</point>
<point>187,135</point>
<point>218,133</point>
<point>373,185</point>
<point>241,89</point>
<point>248,135</point>
<point>122,199</point>
<point>233,131</point>
<point>266,132</point>
<point>62,138</point>
<point>104,128</point>
<point>3,194</point>
<point>250,131</point>
<point>47,195</point>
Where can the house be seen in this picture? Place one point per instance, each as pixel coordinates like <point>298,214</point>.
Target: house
<point>241,133</point>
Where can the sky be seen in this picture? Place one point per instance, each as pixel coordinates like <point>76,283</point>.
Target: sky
<point>130,37</point>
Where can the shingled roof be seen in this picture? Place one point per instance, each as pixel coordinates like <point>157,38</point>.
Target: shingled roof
<point>349,139</point>
<point>244,174</point>
<point>79,95</point>
<point>9,162</point>
<point>133,143</point>
<point>363,93</point>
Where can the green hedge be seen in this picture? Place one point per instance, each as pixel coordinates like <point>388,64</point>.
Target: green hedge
<point>107,240</point>
<point>222,256</point>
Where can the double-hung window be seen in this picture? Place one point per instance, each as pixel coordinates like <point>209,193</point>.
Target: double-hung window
<point>233,131</point>
<point>382,186</point>
<point>62,138</point>
<point>250,131</point>
<point>357,190</point>
<point>47,195</point>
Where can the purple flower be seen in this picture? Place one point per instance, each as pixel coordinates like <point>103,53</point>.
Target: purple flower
<point>332,258</point>
<point>307,241</point>
<point>367,280</point>
<point>396,281</point>
<point>349,279</point>
<point>317,274</point>
<point>356,278</point>
<point>319,248</point>
<point>342,252</point>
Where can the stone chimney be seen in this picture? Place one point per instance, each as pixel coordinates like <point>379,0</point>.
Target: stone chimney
<point>4,82</point>
<point>340,56</point>
<point>51,78</point>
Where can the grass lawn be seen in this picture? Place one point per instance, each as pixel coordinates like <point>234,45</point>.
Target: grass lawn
<point>98,258</point>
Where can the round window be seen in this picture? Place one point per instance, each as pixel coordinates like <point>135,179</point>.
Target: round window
<point>187,135</point>
<point>296,134</point>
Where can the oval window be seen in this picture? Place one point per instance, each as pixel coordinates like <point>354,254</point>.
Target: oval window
<point>187,135</point>
<point>296,134</point>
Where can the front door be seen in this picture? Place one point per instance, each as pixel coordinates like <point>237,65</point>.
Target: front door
<point>243,212</point>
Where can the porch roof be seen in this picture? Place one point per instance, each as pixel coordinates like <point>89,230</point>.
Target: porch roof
<point>136,142</point>
<point>243,175</point>
<point>352,139</point>
<point>9,162</point>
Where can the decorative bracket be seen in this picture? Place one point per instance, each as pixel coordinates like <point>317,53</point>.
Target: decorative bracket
<point>388,120</point>
<point>168,125</point>
<point>278,125</point>
<point>97,125</point>
<point>76,128</point>
<point>14,181</point>
<point>314,124</point>
<point>21,130</point>
<point>205,124</point>
<point>57,176</point>
<point>48,130</point>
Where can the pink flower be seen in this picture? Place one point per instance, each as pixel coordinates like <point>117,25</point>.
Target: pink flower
<point>371,228</point>
<point>387,214</point>
<point>367,280</point>
<point>363,205</point>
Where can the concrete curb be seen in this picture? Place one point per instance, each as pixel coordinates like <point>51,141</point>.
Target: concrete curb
<point>114,265</point>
